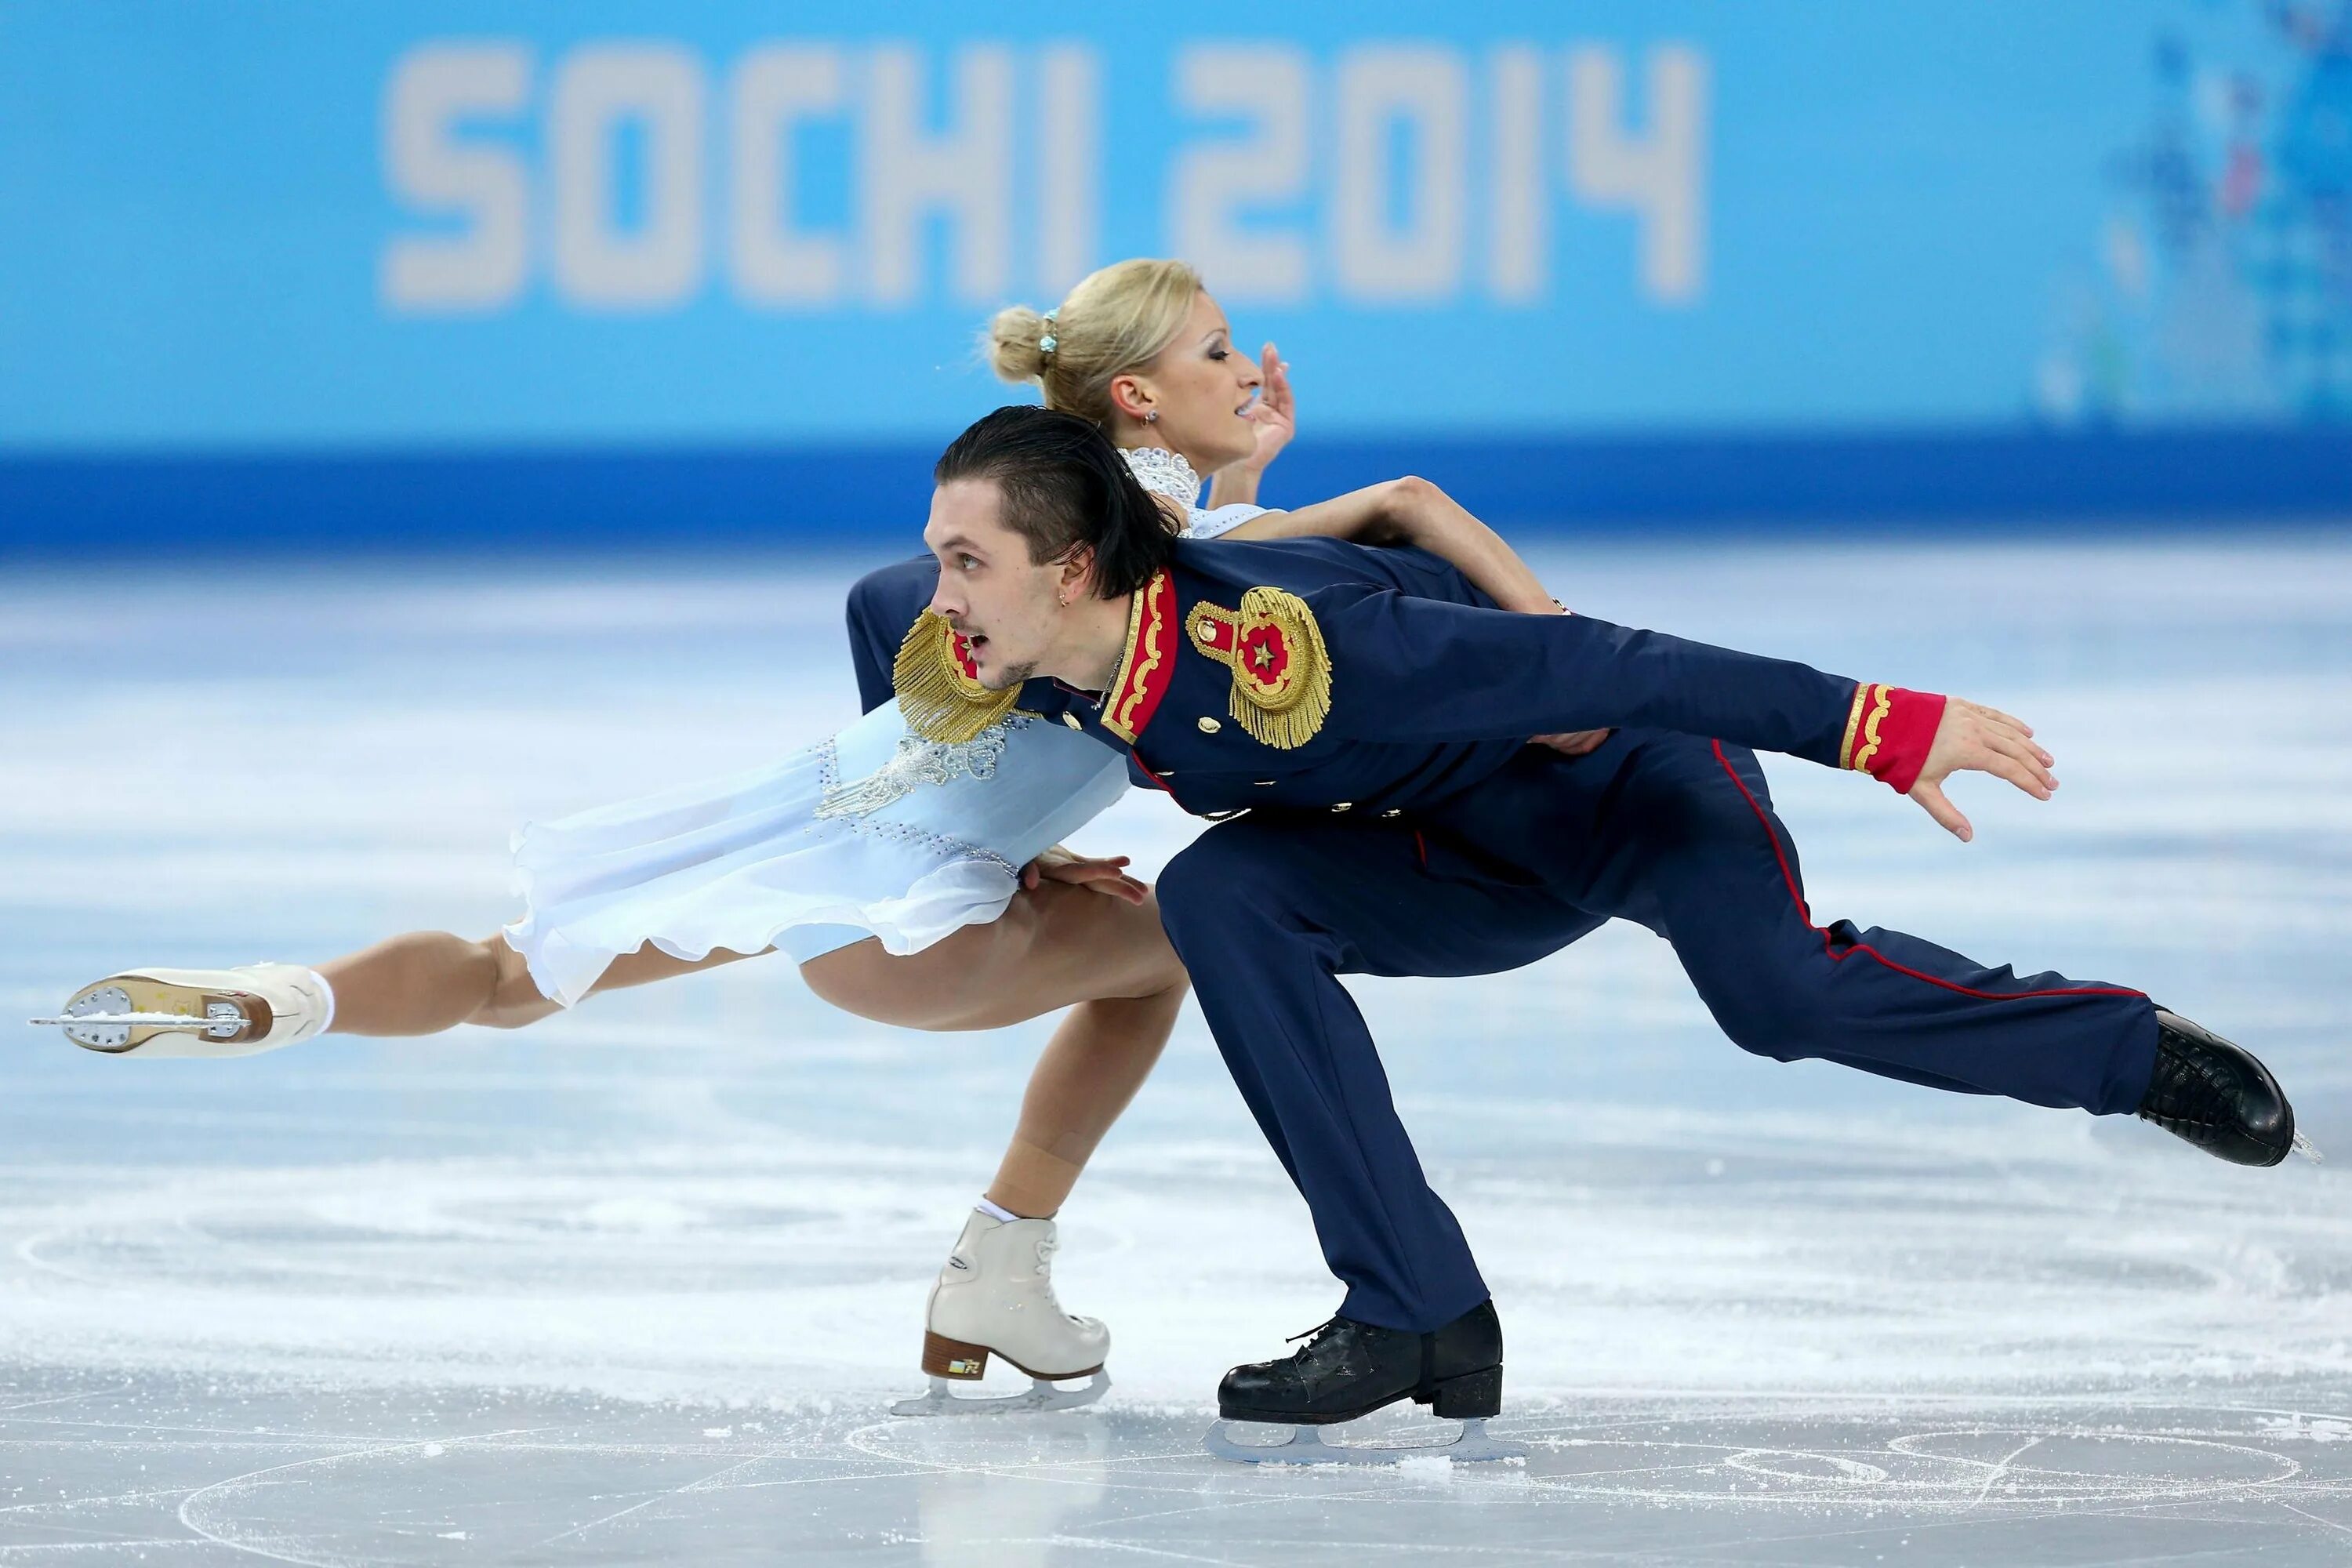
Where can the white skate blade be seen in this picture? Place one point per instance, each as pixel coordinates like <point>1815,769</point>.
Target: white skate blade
<point>1041,1397</point>
<point>152,1020</point>
<point>105,1019</point>
<point>1306,1447</point>
<point>2307,1149</point>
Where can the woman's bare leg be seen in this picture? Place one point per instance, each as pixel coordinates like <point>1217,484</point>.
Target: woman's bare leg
<point>1056,946</point>
<point>1091,1069</point>
<point>428,980</point>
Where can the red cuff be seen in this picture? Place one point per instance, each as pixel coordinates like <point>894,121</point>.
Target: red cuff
<point>1888,732</point>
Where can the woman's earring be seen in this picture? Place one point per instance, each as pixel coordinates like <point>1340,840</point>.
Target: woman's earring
<point>1151,416</point>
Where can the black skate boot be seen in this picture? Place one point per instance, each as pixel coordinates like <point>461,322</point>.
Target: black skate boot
<point>2214,1094</point>
<point>1349,1369</point>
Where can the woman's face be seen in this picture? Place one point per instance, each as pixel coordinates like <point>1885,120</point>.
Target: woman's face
<point>1201,389</point>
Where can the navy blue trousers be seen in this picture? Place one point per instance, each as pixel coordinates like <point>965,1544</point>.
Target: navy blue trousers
<point>1676,833</point>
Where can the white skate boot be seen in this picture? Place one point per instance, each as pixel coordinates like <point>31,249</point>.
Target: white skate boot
<point>995,1297</point>
<point>197,1012</point>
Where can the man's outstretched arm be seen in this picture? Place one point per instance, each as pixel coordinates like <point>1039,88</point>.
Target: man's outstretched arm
<point>1419,670</point>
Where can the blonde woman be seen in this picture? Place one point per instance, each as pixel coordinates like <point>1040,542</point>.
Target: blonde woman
<point>914,882</point>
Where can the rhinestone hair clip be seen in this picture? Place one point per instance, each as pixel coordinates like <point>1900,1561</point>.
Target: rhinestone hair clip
<point>1047,344</point>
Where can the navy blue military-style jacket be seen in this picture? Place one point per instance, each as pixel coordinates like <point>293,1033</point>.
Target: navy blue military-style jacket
<point>1315,674</point>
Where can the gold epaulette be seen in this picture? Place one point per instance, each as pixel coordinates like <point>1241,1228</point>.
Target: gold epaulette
<point>940,693</point>
<point>1282,672</point>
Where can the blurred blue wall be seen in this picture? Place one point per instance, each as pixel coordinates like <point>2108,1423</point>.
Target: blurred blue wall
<point>385,273</point>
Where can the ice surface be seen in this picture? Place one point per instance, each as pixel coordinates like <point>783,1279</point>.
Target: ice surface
<point>636,1284</point>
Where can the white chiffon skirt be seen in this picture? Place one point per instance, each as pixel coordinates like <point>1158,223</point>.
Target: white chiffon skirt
<point>761,860</point>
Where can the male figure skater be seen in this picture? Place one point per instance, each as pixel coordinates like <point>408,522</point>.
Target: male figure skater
<point>1370,713</point>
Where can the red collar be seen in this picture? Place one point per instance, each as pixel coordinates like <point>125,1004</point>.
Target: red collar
<point>1148,666</point>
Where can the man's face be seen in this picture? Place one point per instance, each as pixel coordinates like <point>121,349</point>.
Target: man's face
<point>1006,606</point>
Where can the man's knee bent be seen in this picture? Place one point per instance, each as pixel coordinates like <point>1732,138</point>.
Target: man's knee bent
<point>1784,1020</point>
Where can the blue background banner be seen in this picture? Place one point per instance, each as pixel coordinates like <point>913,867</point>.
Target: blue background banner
<point>1658,260</point>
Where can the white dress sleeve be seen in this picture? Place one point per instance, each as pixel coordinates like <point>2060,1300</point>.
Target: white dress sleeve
<point>1224,519</point>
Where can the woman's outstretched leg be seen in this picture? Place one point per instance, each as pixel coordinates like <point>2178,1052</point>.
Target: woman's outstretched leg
<point>420,982</point>
<point>423,982</point>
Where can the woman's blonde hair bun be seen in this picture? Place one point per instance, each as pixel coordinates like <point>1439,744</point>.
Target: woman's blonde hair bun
<point>1012,344</point>
<point>1116,321</point>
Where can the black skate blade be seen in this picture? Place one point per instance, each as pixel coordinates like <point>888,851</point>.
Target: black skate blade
<point>1041,1397</point>
<point>1306,1446</point>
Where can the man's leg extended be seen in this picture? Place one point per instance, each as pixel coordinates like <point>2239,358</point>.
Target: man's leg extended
<point>1266,912</point>
<point>1679,835</point>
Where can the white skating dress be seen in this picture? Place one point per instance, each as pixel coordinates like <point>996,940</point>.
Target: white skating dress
<point>873,832</point>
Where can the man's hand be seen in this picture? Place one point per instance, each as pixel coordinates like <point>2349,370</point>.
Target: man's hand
<point>1972,738</point>
<point>1103,874</point>
<point>1572,742</point>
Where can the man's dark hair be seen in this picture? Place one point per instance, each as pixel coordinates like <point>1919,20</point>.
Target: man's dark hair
<point>1065,485</point>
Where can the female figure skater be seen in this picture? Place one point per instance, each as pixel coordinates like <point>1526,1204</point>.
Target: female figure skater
<point>914,883</point>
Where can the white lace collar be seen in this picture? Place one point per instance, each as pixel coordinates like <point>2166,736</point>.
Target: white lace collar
<point>1164,473</point>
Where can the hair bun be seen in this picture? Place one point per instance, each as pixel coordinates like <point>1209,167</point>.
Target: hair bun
<point>1013,344</point>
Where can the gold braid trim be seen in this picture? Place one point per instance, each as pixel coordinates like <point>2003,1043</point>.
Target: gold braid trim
<point>1881,698</point>
<point>940,700</point>
<point>1281,706</point>
<point>1853,724</point>
<point>1147,628</point>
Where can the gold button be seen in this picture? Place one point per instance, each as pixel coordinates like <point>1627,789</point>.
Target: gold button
<point>1072,720</point>
<point>1206,631</point>
<point>1345,805</point>
<point>1393,811</point>
<point>1208,726</point>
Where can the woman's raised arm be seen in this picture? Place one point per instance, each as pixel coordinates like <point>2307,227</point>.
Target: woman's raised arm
<point>1415,511</point>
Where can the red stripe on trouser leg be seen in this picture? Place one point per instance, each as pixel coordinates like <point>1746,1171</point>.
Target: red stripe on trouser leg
<point>1836,954</point>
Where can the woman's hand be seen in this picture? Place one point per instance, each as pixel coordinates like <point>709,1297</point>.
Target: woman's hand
<point>1276,416</point>
<point>1103,874</point>
<point>1275,413</point>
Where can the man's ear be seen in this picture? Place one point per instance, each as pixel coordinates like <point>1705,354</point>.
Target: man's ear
<point>1077,579</point>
